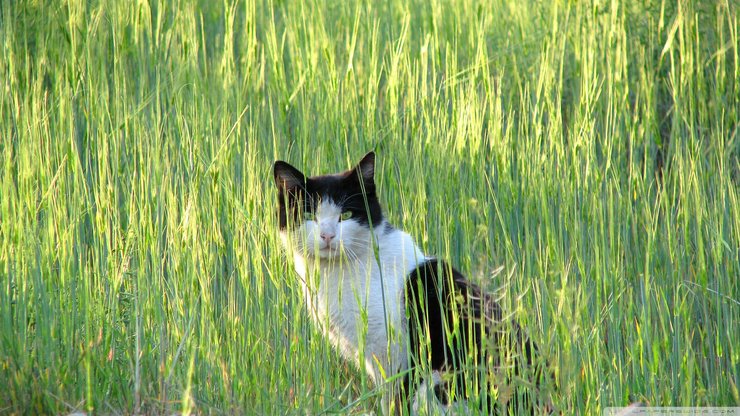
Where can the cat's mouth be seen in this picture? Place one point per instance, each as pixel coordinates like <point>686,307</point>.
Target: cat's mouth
<point>320,251</point>
<point>328,249</point>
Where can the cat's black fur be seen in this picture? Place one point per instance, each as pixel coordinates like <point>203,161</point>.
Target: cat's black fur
<point>354,189</point>
<point>437,295</point>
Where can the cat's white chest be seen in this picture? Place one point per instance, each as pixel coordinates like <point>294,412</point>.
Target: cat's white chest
<point>342,301</point>
<point>358,306</point>
<point>345,302</point>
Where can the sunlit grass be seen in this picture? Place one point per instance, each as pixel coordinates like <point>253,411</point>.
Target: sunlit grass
<point>589,147</point>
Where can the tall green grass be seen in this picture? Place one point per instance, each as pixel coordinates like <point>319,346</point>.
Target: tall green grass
<point>590,147</point>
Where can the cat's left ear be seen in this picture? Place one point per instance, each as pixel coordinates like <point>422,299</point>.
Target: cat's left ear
<point>288,178</point>
<point>366,167</point>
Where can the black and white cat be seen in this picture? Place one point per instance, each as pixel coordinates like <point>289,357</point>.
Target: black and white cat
<point>382,303</point>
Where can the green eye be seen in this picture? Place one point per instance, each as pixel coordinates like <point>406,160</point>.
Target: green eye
<point>309,216</point>
<point>345,215</point>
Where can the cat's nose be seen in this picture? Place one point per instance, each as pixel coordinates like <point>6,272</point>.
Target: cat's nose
<point>327,236</point>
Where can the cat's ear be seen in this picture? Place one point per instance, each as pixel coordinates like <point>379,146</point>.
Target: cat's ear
<point>366,167</point>
<point>288,178</point>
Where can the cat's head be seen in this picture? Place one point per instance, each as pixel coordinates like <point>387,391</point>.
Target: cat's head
<point>328,216</point>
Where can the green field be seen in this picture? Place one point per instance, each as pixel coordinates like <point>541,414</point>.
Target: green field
<point>591,148</point>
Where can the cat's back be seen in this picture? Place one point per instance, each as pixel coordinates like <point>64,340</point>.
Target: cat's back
<point>398,252</point>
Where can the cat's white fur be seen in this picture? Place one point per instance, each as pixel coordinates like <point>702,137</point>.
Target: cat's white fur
<point>356,277</point>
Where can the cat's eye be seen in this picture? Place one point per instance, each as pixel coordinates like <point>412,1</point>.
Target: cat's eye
<point>309,216</point>
<point>345,215</point>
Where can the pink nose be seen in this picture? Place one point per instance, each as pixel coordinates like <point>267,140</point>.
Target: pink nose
<point>326,236</point>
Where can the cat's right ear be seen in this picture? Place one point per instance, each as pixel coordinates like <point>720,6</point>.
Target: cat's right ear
<point>288,178</point>
<point>366,167</point>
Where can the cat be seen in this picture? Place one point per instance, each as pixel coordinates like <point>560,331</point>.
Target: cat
<point>384,304</point>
